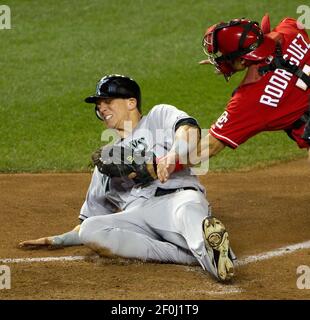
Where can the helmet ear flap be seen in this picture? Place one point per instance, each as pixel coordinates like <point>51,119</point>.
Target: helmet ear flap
<point>98,114</point>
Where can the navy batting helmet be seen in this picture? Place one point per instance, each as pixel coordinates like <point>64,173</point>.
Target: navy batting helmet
<point>116,86</point>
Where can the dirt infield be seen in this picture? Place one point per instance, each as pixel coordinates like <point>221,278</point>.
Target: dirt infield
<point>263,210</point>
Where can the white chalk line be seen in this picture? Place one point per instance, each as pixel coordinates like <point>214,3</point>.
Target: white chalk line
<point>43,259</point>
<point>226,290</point>
<point>274,253</point>
<point>240,262</point>
<point>222,291</point>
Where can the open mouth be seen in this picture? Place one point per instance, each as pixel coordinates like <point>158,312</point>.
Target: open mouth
<point>108,117</point>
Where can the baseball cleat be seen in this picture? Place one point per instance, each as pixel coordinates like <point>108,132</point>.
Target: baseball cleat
<point>217,246</point>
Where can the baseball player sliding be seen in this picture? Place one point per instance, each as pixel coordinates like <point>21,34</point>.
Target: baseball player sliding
<point>274,94</point>
<point>128,212</point>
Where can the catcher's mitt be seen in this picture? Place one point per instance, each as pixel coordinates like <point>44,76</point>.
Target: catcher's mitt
<point>120,161</point>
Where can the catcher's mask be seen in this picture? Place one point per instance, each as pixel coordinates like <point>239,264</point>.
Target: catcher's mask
<point>115,86</point>
<point>239,38</point>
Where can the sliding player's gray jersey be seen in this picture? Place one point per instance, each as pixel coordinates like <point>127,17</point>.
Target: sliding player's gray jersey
<point>155,132</point>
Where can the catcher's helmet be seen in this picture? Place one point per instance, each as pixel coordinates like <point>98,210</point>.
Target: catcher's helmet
<point>239,38</point>
<point>116,86</point>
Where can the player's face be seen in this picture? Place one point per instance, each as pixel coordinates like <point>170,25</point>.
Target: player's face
<point>114,112</point>
<point>239,64</point>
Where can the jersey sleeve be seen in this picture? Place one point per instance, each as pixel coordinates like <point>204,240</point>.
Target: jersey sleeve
<point>168,117</point>
<point>240,121</point>
<point>94,204</point>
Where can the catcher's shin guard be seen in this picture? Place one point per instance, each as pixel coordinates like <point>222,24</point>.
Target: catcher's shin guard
<point>221,257</point>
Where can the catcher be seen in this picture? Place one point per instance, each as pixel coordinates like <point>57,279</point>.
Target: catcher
<point>274,94</point>
<point>128,212</point>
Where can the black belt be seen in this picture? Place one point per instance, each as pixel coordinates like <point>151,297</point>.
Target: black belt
<point>161,192</point>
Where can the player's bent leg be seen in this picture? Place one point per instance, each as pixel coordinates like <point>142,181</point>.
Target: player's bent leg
<point>100,234</point>
<point>210,245</point>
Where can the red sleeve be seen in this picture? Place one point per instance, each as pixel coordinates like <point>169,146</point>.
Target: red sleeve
<point>241,120</point>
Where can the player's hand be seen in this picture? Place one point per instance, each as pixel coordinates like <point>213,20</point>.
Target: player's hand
<point>165,166</point>
<point>36,243</point>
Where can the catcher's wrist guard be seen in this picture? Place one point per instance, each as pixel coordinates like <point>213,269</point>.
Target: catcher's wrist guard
<point>120,161</point>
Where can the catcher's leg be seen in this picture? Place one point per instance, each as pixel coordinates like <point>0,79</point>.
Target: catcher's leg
<point>117,235</point>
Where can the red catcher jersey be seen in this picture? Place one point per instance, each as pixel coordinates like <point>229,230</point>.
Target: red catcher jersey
<point>275,101</point>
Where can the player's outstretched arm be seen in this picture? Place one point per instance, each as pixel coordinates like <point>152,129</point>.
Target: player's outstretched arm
<point>207,148</point>
<point>70,238</point>
<point>186,140</point>
<point>187,145</point>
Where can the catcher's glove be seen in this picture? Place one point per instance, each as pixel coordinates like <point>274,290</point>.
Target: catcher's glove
<point>120,161</point>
